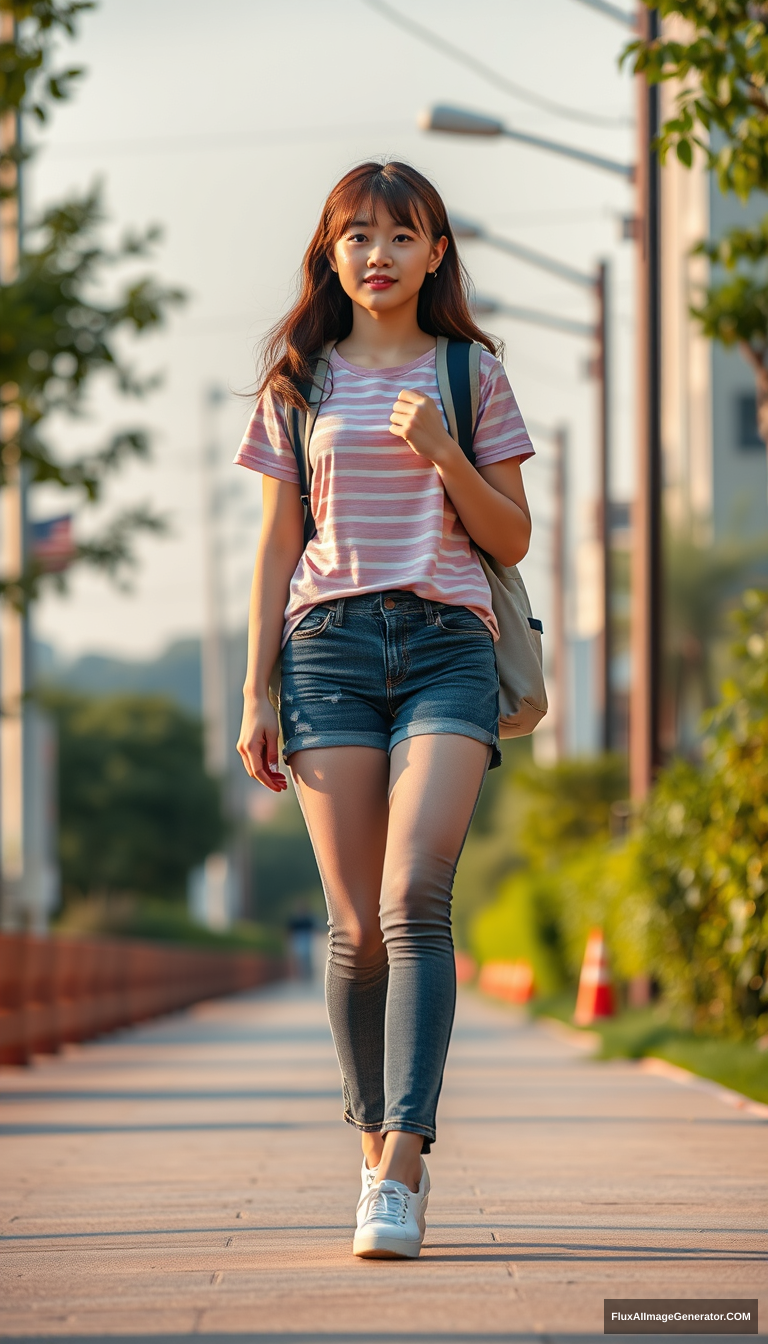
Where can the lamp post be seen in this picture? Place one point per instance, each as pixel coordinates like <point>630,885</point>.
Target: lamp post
<point>458,121</point>
<point>598,284</point>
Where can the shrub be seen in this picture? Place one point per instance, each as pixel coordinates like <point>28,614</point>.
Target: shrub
<point>703,851</point>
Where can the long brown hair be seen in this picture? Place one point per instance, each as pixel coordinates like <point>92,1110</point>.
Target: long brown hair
<point>323,312</point>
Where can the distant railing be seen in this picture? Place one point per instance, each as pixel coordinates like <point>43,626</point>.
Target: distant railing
<point>59,989</point>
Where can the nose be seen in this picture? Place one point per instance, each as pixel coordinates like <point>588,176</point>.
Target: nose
<point>378,257</point>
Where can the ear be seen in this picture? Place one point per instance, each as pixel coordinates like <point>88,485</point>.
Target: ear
<point>438,252</point>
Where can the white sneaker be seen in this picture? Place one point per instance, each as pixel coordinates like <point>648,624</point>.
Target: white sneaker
<point>368,1178</point>
<point>393,1220</point>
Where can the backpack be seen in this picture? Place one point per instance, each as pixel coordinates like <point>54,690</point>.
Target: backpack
<point>522,694</point>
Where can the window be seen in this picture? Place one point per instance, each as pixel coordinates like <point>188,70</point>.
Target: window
<point>747,437</point>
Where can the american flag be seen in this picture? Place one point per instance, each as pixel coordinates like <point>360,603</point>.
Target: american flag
<point>52,543</point>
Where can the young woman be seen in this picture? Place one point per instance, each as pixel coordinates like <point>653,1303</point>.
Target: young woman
<point>389,690</point>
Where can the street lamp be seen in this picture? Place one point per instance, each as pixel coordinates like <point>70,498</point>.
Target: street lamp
<point>483,306</point>
<point>458,121</point>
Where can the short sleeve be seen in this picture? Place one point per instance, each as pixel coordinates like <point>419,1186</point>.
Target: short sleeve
<point>500,430</point>
<point>266,446</point>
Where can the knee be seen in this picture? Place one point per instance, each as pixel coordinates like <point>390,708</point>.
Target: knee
<point>416,900</point>
<point>357,944</point>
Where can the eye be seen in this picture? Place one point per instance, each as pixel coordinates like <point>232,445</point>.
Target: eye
<point>403,238</point>
<point>357,238</point>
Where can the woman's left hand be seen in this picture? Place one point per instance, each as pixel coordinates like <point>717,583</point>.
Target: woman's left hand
<point>416,418</point>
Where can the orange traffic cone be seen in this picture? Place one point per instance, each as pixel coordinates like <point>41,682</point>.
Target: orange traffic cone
<point>595,998</point>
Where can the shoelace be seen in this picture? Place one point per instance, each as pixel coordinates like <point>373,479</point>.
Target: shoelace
<point>387,1203</point>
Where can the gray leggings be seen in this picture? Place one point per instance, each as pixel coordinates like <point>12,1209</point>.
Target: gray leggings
<point>387,837</point>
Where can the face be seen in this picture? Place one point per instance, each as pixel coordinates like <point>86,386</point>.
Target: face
<point>381,263</point>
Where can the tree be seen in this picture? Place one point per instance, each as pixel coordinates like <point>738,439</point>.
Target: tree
<point>58,330</point>
<point>735,312</point>
<point>718,53</point>
<point>137,809</point>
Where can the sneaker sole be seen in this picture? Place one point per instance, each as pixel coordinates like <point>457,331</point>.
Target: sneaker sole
<point>385,1248</point>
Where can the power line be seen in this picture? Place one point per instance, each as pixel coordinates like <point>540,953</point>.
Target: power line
<point>611,12</point>
<point>486,72</point>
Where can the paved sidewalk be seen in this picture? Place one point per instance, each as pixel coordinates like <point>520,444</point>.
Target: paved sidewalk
<point>193,1178</point>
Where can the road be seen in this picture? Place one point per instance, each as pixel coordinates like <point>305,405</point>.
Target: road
<point>193,1178</point>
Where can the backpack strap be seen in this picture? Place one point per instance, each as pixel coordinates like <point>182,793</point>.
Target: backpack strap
<point>458,380</point>
<point>299,426</point>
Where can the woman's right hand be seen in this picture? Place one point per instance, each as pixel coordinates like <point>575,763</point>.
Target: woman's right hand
<point>257,743</point>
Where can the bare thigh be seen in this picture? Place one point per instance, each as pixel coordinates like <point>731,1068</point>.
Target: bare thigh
<point>435,781</point>
<point>374,821</point>
<point>343,795</point>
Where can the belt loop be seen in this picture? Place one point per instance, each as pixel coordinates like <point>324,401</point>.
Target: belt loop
<point>339,616</point>
<point>429,611</point>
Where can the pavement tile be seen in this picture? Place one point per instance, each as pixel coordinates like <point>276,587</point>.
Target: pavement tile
<point>192,1178</point>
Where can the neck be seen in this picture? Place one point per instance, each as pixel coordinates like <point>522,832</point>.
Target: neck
<point>378,340</point>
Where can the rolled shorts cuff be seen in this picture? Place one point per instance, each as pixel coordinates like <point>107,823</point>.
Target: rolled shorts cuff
<point>304,741</point>
<point>457,727</point>
<point>380,741</point>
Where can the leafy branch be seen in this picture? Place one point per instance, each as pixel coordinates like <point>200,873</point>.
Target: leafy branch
<point>61,324</point>
<point>722,66</point>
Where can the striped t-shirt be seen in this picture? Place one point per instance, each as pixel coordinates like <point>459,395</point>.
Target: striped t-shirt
<point>384,520</point>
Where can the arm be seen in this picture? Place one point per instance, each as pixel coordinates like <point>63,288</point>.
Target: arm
<point>279,549</point>
<point>490,501</point>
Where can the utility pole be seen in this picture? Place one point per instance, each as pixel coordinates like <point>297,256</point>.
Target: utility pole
<point>646,636</point>
<point>18,903</point>
<point>602,372</point>
<point>559,565</point>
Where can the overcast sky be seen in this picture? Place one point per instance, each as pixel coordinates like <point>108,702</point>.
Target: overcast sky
<point>228,124</point>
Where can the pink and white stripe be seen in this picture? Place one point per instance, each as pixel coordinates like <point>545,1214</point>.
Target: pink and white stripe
<point>383,518</point>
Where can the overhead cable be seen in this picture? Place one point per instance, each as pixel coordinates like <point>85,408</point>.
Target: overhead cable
<point>486,72</point>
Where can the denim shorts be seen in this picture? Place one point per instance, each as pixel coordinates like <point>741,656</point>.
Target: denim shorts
<point>374,669</point>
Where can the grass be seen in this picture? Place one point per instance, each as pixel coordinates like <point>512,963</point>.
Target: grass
<point>164,922</point>
<point>639,1032</point>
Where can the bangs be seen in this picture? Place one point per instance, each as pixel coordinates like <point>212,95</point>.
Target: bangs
<point>362,199</point>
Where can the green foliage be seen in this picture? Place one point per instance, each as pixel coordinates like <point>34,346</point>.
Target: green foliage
<point>600,888</point>
<point>721,62</point>
<point>568,805</point>
<point>161,922</point>
<point>55,336</point>
<point>25,80</point>
<point>492,850</point>
<point>59,330</point>
<point>284,869</point>
<point>722,66</point>
<point>570,876</point>
<point>703,851</point>
<point>702,583</point>
<point>137,810</point>
<point>522,925</point>
<point>735,311</point>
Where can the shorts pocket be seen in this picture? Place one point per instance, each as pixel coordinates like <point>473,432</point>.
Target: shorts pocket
<point>462,621</point>
<point>314,623</point>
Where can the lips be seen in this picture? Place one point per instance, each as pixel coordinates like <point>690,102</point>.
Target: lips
<point>379,282</point>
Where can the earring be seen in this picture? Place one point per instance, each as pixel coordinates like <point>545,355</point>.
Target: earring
<point>434,273</point>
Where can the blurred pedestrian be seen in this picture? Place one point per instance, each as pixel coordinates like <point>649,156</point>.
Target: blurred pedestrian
<point>389,690</point>
<point>301,930</point>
